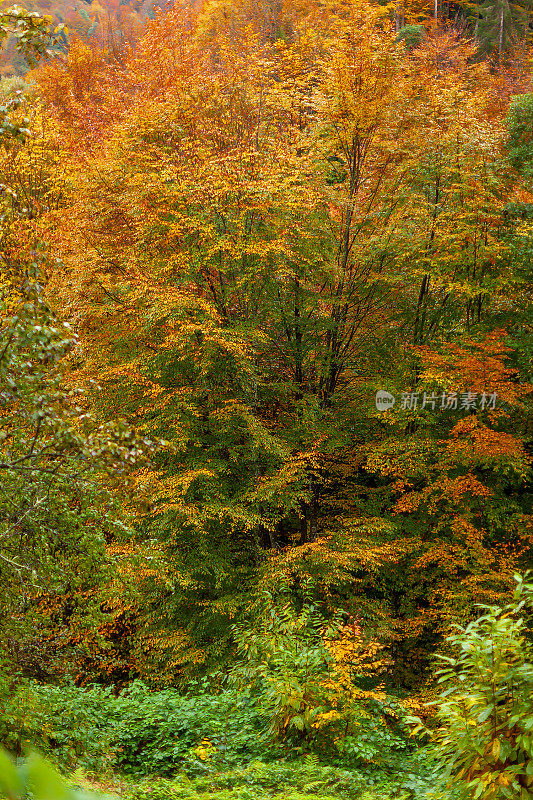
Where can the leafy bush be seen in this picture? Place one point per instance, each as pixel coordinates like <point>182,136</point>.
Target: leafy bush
<point>317,683</point>
<point>73,725</point>
<point>485,707</point>
<point>162,732</point>
<point>139,732</point>
<point>411,35</point>
<point>284,662</point>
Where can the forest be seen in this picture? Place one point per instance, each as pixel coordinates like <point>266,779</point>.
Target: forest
<point>266,400</point>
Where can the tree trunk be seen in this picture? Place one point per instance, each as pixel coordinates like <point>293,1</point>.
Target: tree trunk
<point>500,39</point>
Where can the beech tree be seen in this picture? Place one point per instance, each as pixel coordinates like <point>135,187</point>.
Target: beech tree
<point>256,235</point>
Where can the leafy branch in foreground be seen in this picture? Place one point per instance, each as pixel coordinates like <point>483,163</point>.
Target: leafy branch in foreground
<point>37,776</point>
<point>485,706</point>
<point>51,450</point>
<point>59,476</point>
<point>35,35</point>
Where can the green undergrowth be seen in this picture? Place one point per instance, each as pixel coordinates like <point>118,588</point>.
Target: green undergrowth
<point>142,733</point>
<point>143,745</point>
<point>137,732</point>
<point>305,777</point>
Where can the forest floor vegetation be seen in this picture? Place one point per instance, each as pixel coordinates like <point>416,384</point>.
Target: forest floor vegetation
<point>143,745</point>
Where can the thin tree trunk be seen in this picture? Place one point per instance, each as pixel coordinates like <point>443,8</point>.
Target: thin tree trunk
<point>500,40</point>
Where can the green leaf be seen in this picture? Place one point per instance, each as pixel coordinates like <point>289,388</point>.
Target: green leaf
<point>485,714</point>
<point>45,782</point>
<point>10,782</point>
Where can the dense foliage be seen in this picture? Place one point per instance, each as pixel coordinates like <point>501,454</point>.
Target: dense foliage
<point>485,708</point>
<point>253,243</point>
<point>208,742</point>
<point>265,400</point>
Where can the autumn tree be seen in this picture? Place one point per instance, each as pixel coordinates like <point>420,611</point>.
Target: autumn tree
<point>269,230</point>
